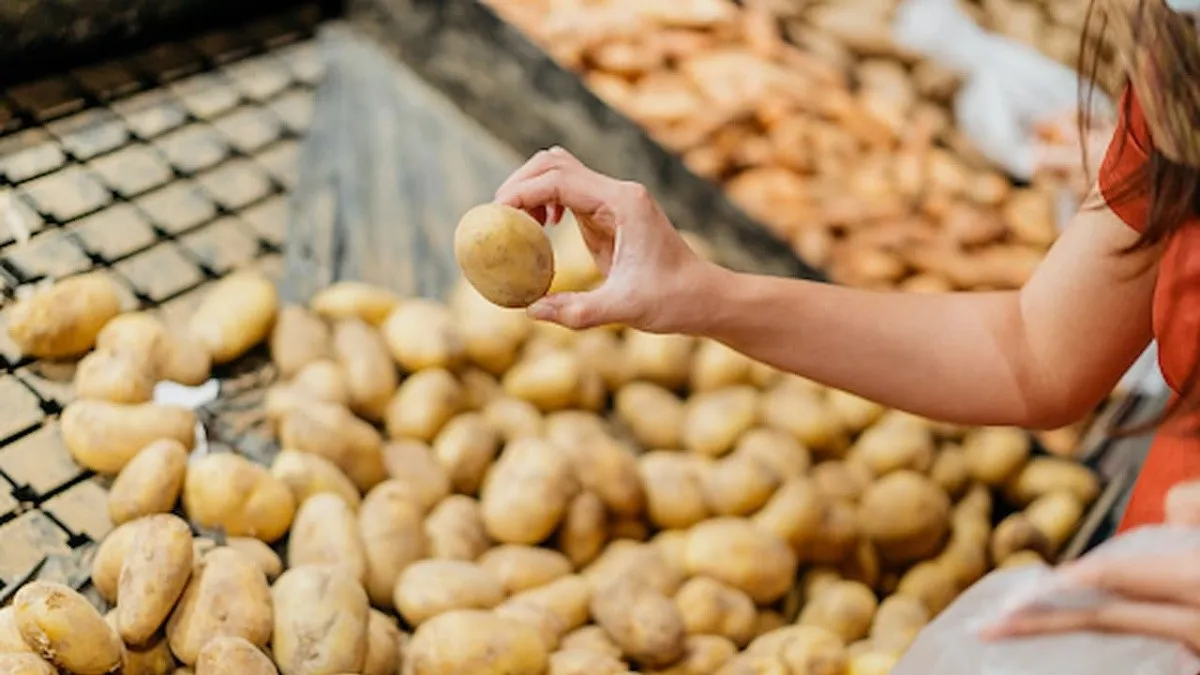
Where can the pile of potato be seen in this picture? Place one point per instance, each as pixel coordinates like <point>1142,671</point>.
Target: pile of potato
<point>461,490</point>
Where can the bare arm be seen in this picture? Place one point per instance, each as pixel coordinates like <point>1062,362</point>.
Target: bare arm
<point>1039,357</point>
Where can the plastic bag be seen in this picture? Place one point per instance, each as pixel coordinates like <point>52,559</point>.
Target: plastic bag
<point>951,645</point>
<point>1009,87</point>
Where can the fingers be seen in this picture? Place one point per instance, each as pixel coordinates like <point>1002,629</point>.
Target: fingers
<point>582,310</point>
<point>1172,622</point>
<point>554,180</point>
<point>1172,578</point>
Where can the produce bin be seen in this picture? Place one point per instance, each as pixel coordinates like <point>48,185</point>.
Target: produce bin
<point>170,168</point>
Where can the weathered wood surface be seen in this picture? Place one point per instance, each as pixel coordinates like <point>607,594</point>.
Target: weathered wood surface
<point>413,161</point>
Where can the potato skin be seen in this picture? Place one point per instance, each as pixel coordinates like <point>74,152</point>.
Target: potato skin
<point>321,622</point>
<point>104,436</point>
<point>370,373</point>
<point>257,551</point>
<point>428,588</point>
<point>455,530</point>
<point>709,607</point>
<point>584,529</point>
<point>734,551</point>
<point>63,320</point>
<point>383,645</point>
<point>150,483</point>
<point>412,463</point>
<point>155,571</point>
<point>64,629</point>
<point>504,254</point>
<point>325,532</point>
<point>906,515</point>
<point>674,488</point>
<point>231,492</point>
<point>520,568</point>
<point>420,334</point>
<point>423,404</point>
<point>333,432</point>
<point>298,338</point>
<point>120,377</point>
<point>393,535</point>
<point>646,624</point>
<point>465,447</point>
<point>526,495</point>
<point>227,595</point>
<point>236,315</point>
<point>110,558</point>
<point>355,299</point>
<point>229,654</point>
<point>307,474</point>
<point>473,642</point>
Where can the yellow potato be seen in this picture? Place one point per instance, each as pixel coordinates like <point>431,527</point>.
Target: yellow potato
<point>779,451</point>
<point>322,621</point>
<point>845,608</point>
<point>153,575</point>
<point>736,552</point>
<point>428,588</point>
<point>672,546</point>
<point>1044,475</point>
<point>551,380</point>
<point>104,436</point>
<point>566,597</point>
<point>994,455</point>
<point>479,388</point>
<point>906,515</point>
<point>412,464</point>
<point>590,638</point>
<point>1022,558</point>
<point>504,254</point>
<point>520,568</point>
<point>355,300</point>
<point>584,529</point>
<point>393,535</point>
<point>793,514</point>
<point>675,492</point>
<point>872,663</point>
<point>930,583</point>
<point>423,404</point>
<point>150,483</point>
<point>842,480</point>
<point>492,336</point>
<point>63,319</point>
<point>236,315</point>
<point>306,475</point>
<point>710,607</point>
<point>175,357</point>
<point>665,360</point>
<point>716,419</point>
<point>527,492</point>
<point>653,415</point>
<point>644,623</point>
<point>473,642</point>
<point>11,641</point>
<point>549,626</point>
<point>333,432</point>
<point>603,349</point>
<point>421,334</point>
<point>854,412</point>
<point>738,485</point>
<point>119,377</point>
<point>803,415</point>
<point>584,662</point>
<point>1018,533</point>
<point>607,468</point>
<point>370,374</point>
<point>895,445</point>
<point>803,649</point>
<point>513,417</point>
<point>110,557</point>
<point>1056,515</point>
<point>383,645</point>
<point>258,552</point>
<point>25,664</point>
<point>325,532</point>
<point>455,530</point>
<point>898,621</point>
<point>64,629</point>
<point>717,365</point>
<point>298,338</point>
<point>950,471</point>
<point>242,498</point>
<point>227,595</point>
<point>768,620</point>
<point>837,535</point>
<point>465,447</point>
<point>230,654</point>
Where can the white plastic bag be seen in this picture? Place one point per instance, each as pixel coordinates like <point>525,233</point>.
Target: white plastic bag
<point>1009,87</point>
<point>951,645</point>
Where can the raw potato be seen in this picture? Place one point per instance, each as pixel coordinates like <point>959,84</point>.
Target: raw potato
<point>355,300</point>
<point>258,552</point>
<point>567,598</point>
<point>930,583</point>
<point>1056,515</point>
<point>1017,533</point>
<point>236,315</point>
<point>307,475</point>
<point>906,515</point>
<point>298,338</point>
<point>333,432</point>
<point>63,320</point>
<point>420,334</point>
<point>173,356</point>
<point>325,532</point>
<point>150,483</point>
<point>229,654</point>
<point>472,642</point>
<point>412,464</point>
<point>734,551</point>
<point>423,405</point>
<point>513,417</point>
<point>321,622</point>
<point>802,649</point>
<point>897,622</point>
<point>703,655</point>
<point>675,494</point>
<point>428,588</point>
<point>551,380</point>
<point>994,455</point>
<point>383,645</point>
<point>520,568</point>
<point>393,536</point>
<point>110,557</point>
<point>592,639</point>
<point>801,414</point>
<point>793,514</point>
<point>715,420</point>
<point>718,365</point>
<point>895,445</point>
<point>242,498</point>
<point>646,624</point>
<point>845,608</point>
<point>665,360</point>
<point>227,595</point>
<point>646,562</point>
<point>11,641</point>
<point>492,336</point>
<point>104,436</point>
<point>584,662</point>
<point>837,535</point>
<point>504,254</point>
<point>370,373</point>
<point>465,447</point>
<point>608,468</point>
<point>324,380</point>
<point>64,629</point>
<point>779,451</point>
<point>549,626</point>
<point>119,377</point>
<point>738,485</point>
<point>653,414</point>
<point>584,529</point>
<point>155,571</point>
<point>526,495</point>
<point>710,607</point>
<point>24,664</point>
<point>1044,475</point>
<point>455,530</point>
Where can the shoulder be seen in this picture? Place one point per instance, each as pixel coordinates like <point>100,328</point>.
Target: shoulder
<point>1123,181</point>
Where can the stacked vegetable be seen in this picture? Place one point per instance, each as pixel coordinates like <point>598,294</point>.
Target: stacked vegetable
<point>522,498</point>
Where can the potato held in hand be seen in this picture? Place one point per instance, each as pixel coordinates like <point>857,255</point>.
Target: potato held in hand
<point>505,255</point>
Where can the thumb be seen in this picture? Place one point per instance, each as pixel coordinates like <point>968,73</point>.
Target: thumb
<point>574,310</point>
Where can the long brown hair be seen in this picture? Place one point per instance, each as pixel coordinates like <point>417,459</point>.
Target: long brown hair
<point>1158,52</point>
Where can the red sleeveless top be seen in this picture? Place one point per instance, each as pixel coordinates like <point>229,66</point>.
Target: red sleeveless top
<point>1175,454</point>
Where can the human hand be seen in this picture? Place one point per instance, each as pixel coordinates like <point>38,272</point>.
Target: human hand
<point>653,280</point>
<point>1153,595</point>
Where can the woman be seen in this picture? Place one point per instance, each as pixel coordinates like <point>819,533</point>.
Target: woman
<point>1126,270</point>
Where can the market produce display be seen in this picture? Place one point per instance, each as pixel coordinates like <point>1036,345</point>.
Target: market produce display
<point>463,490</point>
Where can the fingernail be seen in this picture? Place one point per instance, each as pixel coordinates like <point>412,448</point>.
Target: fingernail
<point>557,150</point>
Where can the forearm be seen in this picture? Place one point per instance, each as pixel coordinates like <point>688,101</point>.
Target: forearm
<point>961,357</point>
